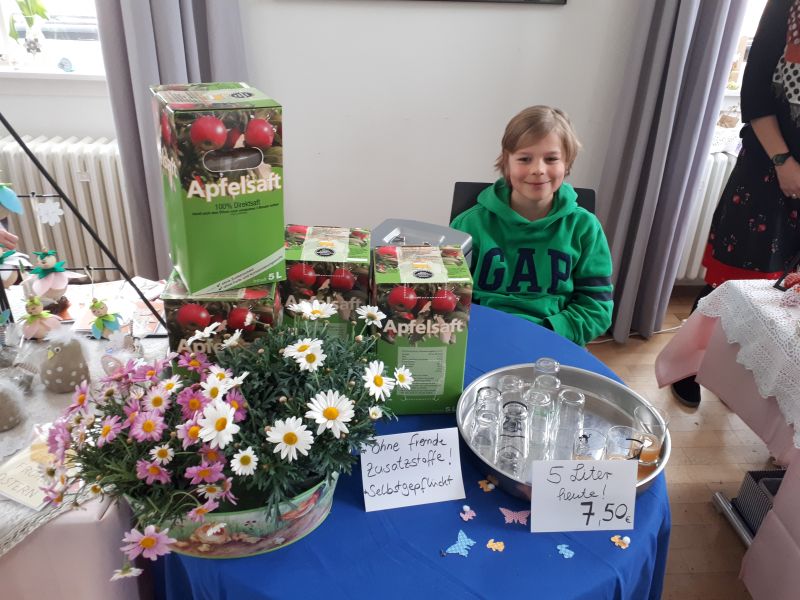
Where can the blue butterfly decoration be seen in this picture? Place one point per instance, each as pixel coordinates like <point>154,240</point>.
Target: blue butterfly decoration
<point>461,547</point>
<point>563,550</point>
<point>9,200</point>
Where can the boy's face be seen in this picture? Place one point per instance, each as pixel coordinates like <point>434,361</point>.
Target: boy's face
<point>535,172</point>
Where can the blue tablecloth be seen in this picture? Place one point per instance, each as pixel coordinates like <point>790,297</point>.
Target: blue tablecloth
<point>396,553</point>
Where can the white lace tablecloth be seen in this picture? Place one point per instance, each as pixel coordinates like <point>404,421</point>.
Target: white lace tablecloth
<point>768,333</point>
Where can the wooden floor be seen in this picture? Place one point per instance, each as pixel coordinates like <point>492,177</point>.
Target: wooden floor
<point>712,449</point>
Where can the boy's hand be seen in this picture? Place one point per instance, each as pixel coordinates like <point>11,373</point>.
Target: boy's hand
<point>8,239</point>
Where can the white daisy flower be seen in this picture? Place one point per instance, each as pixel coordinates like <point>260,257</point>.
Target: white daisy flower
<point>203,335</point>
<point>237,381</point>
<point>291,437</point>
<point>232,340</point>
<point>302,347</point>
<point>378,385</point>
<point>214,388</point>
<point>314,310</point>
<point>331,410</point>
<point>312,360</point>
<point>157,399</point>
<point>210,491</point>
<point>375,412</point>
<point>218,373</point>
<point>172,385</point>
<point>244,462</point>
<point>403,377</point>
<point>217,426</point>
<point>162,454</point>
<point>297,308</point>
<point>371,314</point>
<point>95,490</point>
<point>126,571</point>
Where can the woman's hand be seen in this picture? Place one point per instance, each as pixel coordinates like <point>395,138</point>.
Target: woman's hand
<point>9,240</point>
<point>789,178</point>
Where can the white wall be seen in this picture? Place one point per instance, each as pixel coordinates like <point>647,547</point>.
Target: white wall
<point>56,106</point>
<point>388,102</point>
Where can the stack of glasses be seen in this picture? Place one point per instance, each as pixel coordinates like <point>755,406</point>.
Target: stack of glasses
<point>521,421</point>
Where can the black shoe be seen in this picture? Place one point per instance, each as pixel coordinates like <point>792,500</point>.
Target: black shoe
<point>687,391</point>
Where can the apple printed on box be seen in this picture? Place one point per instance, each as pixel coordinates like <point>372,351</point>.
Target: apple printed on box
<point>221,152</point>
<point>426,293</point>
<point>251,311</point>
<point>330,264</point>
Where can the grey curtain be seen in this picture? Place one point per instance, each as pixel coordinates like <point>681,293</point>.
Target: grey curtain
<point>147,42</point>
<point>663,128</point>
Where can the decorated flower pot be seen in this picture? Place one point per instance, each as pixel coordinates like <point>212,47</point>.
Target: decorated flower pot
<point>249,532</point>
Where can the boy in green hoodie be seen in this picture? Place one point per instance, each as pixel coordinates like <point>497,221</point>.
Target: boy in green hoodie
<point>536,253</point>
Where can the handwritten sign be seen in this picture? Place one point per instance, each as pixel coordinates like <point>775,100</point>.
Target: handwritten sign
<point>407,469</point>
<point>574,495</point>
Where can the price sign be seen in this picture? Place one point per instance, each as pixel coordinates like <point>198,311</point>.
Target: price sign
<point>406,469</point>
<point>575,495</point>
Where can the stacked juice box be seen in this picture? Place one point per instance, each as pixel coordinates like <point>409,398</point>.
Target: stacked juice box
<point>329,264</point>
<point>221,154</point>
<point>426,293</point>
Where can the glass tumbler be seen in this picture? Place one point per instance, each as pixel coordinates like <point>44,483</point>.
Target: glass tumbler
<point>485,422</point>
<point>623,443</point>
<point>549,384</point>
<point>540,406</point>
<point>546,366</point>
<point>512,443</point>
<point>652,423</point>
<point>571,404</point>
<point>590,444</point>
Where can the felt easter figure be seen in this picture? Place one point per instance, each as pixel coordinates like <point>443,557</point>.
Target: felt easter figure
<point>9,203</point>
<point>65,365</point>
<point>10,263</point>
<point>38,322</point>
<point>48,279</point>
<point>105,323</point>
<point>10,405</point>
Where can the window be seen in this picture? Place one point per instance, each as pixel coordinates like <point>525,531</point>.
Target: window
<point>65,42</point>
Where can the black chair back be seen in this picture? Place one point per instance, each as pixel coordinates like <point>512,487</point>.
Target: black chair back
<point>465,195</point>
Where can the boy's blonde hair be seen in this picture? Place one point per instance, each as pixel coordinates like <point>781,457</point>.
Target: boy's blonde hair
<point>531,125</point>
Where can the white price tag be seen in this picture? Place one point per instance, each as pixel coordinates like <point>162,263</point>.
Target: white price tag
<point>575,495</point>
<point>406,469</point>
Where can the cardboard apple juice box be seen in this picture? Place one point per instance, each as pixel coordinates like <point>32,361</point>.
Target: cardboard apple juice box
<point>426,293</point>
<point>221,151</point>
<point>329,264</point>
<point>252,310</point>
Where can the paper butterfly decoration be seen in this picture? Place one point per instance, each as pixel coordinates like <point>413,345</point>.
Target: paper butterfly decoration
<point>468,513</point>
<point>486,486</point>
<point>621,542</point>
<point>563,550</point>
<point>520,517</point>
<point>462,546</point>
<point>495,546</point>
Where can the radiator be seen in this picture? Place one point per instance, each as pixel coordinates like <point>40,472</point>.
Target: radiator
<point>90,173</point>
<point>717,169</point>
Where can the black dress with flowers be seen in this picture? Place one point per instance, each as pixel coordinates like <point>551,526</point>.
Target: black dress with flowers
<point>755,231</point>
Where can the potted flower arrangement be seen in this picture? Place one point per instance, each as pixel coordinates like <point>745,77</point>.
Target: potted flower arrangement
<point>228,459</point>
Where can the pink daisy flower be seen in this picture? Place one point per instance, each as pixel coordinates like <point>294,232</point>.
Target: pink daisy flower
<point>80,398</point>
<point>58,439</point>
<point>121,375</point>
<point>151,471</point>
<point>146,372</point>
<point>235,398</point>
<point>109,429</point>
<point>198,515</point>
<point>157,399</point>
<point>212,455</point>
<point>191,400</point>
<point>148,425</point>
<point>131,409</point>
<point>204,472</point>
<point>194,361</point>
<point>53,495</point>
<point>227,494</point>
<point>150,544</point>
<point>189,433</point>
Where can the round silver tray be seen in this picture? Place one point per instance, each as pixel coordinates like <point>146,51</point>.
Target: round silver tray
<point>608,403</point>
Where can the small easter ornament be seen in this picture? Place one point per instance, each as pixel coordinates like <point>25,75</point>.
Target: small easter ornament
<point>105,323</point>
<point>65,365</point>
<point>10,405</point>
<point>38,322</point>
<point>9,203</point>
<point>49,278</point>
<point>10,263</point>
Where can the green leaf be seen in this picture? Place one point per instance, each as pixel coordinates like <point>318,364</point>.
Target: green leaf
<point>12,31</point>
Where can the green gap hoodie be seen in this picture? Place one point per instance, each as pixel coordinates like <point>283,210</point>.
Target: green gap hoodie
<point>555,271</point>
